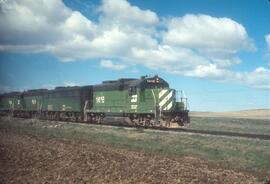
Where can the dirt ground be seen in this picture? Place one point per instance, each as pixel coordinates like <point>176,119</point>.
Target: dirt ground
<point>25,158</point>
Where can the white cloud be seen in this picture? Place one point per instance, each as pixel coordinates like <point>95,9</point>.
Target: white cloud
<point>121,12</point>
<point>193,45</point>
<point>259,78</point>
<point>210,34</point>
<point>32,22</point>
<point>227,62</point>
<point>76,24</point>
<point>50,26</point>
<point>208,71</point>
<point>110,65</point>
<point>167,57</point>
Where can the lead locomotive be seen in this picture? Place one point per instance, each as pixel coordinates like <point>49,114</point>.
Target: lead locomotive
<point>148,101</point>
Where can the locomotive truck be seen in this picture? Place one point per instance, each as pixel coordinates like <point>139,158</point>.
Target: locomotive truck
<point>148,101</point>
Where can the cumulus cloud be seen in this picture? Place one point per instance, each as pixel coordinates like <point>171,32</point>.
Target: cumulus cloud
<point>209,71</point>
<point>110,65</point>
<point>193,45</point>
<point>32,22</point>
<point>209,34</point>
<point>122,12</point>
<point>259,78</point>
<point>168,58</point>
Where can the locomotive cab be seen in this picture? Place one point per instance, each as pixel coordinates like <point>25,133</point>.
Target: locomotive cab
<point>162,101</point>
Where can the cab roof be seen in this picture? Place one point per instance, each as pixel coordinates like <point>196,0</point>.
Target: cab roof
<point>123,83</point>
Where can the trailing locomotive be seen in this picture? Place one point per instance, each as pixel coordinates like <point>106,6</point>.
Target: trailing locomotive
<point>148,101</point>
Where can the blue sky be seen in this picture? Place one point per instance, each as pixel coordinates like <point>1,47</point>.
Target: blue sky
<point>218,52</point>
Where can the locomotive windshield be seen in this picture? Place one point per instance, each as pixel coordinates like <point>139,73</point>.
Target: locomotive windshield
<point>155,85</point>
<point>155,82</point>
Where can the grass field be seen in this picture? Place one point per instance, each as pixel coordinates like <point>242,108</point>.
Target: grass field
<point>261,126</point>
<point>248,155</point>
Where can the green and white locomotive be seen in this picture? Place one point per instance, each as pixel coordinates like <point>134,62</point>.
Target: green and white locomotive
<point>148,101</point>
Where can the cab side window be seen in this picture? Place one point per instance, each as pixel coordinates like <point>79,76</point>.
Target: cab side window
<point>132,90</point>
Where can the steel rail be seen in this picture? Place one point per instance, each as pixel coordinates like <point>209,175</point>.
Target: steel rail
<point>185,130</point>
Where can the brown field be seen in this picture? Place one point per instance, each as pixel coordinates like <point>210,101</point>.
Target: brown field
<point>26,158</point>
<point>34,151</point>
<point>249,114</point>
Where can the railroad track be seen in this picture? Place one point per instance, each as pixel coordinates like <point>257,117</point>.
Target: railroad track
<point>205,132</point>
<point>195,131</point>
<point>223,133</point>
<point>185,130</point>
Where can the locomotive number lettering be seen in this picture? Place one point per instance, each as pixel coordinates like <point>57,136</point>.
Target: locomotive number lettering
<point>134,98</point>
<point>100,99</point>
<point>34,101</point>
<point>151,81</point>
<point>133,107</point>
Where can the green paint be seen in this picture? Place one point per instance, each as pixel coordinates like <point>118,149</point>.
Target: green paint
<point>142,101</point>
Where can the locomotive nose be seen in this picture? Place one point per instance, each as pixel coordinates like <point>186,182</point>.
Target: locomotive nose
<point>166,99</point>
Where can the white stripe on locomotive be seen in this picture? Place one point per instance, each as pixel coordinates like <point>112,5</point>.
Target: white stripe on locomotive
<point>166,99</point>
<point>162,92</point>
<point>169,106</point>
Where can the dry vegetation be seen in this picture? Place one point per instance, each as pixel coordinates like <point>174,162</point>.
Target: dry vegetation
<point>250,114</point>
<point>31,159</point>
<point>240,125</point>
<point>52,152</point>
